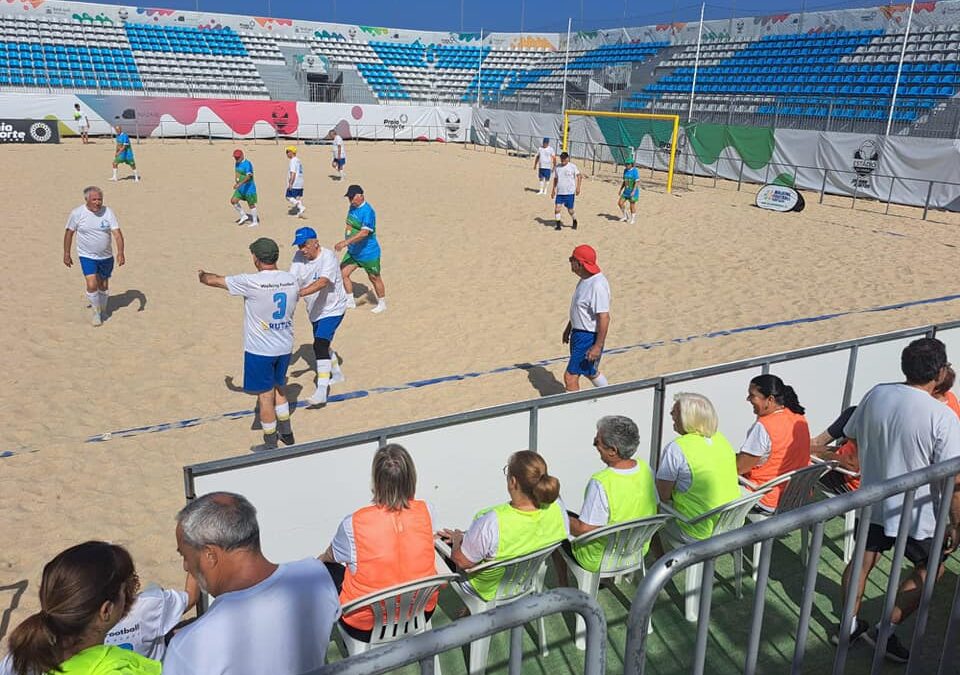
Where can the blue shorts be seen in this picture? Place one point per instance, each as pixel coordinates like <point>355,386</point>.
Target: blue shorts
<point>263,373</point>
<point>326,327</point>
<point>102,268</point>
<point>545,174</point>
<point>294,193</point>
<point>564,200</point>
<point>580,342</point>
<point>340,162</point>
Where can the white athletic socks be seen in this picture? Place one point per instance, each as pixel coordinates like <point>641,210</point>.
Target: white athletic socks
<point>323,382</point>
<point>114,177</point>
<point>253,214</point>
<point>136,176</point>
<point>238,208</point>
<point>283,411</point>
<point>351,301</point>
<point>600,380</point>
<point>94,299</point>
<point>336,375</point>
<point>103,300</point>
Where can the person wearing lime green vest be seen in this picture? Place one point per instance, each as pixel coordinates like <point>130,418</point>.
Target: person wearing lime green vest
<point>533,519</point>
<point>622,491</point>
<point>85,590</point>
<point>698,469</point>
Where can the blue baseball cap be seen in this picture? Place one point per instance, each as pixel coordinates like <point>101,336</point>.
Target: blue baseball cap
<point>546,140</point>
<point>303,235</point>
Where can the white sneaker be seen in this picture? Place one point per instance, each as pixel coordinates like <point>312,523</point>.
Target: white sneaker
<point>351,302</point>
<point>253,223</point>
<point>623,219</point>
<point>379,308</point>
<point>319,397</point>
<point>136,179</point>
<point>97,320</point>
<point>242,219</point>
<point>633,220</point>
<point>300,212</point>
<point>114,179</point>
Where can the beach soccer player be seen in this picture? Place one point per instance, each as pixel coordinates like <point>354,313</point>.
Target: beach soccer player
<point>124,154</point>
<point>244,190</point>
<point>544,162</point>
<point>629,193</point>
<point>363,249</point>
<point>294,192</point>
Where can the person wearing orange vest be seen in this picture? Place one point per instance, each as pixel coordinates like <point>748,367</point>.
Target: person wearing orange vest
<point>385,544</point>
<point>943,394</point>
<point>698,469</point>
<point>622,491</point>
<point>779,441</point>
<point>533,519</point>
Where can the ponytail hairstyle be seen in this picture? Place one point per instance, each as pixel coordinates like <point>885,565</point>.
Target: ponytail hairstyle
<point>74,586</point>
<point>530,471</point>
<point>771,385</point>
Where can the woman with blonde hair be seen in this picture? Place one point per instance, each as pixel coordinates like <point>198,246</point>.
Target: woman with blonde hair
<point>385,544</point>
<point>698,469</point>
<point>84,591</point>
<point>533,519</point>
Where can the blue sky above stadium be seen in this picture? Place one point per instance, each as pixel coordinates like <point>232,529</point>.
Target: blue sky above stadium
<point>506,15</point>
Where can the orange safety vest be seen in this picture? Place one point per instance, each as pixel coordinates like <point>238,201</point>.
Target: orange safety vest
<point>849,448</point>
<point>789,450</point>
<point>393,547</point>
<point>952,403</point>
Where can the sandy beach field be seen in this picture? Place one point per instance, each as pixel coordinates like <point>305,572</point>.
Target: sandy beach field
<point>476,279</point>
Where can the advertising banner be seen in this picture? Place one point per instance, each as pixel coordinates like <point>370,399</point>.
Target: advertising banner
<point>28,131</point>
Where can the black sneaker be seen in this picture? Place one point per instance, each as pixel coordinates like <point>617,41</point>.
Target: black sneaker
<point>558,226</point>
<point>861,629</point>
<point>574,223</point>
<point>895,650</point>
<point>285,431</point>
<point>269,443</point>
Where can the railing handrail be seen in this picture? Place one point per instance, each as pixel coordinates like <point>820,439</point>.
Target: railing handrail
<point>513,615</point>
<point>677,560</point>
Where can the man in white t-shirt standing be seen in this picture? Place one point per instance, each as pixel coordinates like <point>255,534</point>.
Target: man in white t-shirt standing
<point>317,271</point>
<point>566,187</point>
<point>294,192</point>
<point>545,160</point>
<point>269,300</point>
<point>339,154</point>
<point>899,428</point>
<point>266,618</point>
<point>94,225</point>
<point>589,322</point>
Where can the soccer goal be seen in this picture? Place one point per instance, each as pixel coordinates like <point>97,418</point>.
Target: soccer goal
<point>631,133</point>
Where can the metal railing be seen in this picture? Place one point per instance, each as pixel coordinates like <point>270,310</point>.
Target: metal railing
<point>512,616</point>
<point>815,515</point>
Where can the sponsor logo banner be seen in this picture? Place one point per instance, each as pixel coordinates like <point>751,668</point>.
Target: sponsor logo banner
<point>29,131</point>
<point>779,198</point>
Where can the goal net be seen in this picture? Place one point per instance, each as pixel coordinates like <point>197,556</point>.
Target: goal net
<point>624,133</point>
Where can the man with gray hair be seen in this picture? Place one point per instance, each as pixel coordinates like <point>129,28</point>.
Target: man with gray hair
<point>266,618</point>
<point>623,490</point>
<point>94,224</point>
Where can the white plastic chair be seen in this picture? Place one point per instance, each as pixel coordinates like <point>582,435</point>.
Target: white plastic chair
<point>799,492</point>
<point>849,518</point>
<point>521,576</point>
<point>623,554</point>
<point>729,517</point>
<point>398,611</point>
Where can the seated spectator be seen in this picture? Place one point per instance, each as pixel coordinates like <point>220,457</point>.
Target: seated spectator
<point>845,455</point>
<point>84,592</point>
<point>623,491</point>
<point>778,442</point>
<point>385,544</point>
<point>266,618</point>
<point>533,519</point>
<point>154,613</point>
<point>698,469</point>
<point>942,392</point>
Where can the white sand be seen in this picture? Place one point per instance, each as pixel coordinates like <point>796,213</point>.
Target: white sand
<point>473,280</point>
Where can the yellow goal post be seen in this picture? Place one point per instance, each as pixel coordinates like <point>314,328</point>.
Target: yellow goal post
<point>567,114</point>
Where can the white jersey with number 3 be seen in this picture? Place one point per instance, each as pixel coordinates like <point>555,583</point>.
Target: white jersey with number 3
<point>269,299</point>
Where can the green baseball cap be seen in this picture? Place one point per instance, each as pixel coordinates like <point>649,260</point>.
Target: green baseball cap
<point>265,250</point>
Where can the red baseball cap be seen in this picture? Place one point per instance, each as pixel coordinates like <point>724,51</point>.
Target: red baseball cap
<point>238,153</point>
<point>586,256</point>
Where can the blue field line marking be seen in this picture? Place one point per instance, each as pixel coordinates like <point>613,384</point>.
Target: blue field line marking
<point>418,384</point>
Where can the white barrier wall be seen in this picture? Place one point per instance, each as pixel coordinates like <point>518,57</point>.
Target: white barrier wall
<point>302,493</point>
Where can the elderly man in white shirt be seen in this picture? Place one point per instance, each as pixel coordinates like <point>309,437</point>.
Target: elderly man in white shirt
<point>589,322</point>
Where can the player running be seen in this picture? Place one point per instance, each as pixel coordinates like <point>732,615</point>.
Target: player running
<point>244,189</point>
<point>294,193</point>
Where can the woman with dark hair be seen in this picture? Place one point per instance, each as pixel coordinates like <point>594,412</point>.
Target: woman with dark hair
<point>779,441</point>
<point>84,592</point>
<point>385,544</point>
<point>533,519</point>
<point>942,392</point>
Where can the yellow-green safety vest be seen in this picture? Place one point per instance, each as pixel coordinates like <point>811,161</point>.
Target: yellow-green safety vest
<point>713,467</point>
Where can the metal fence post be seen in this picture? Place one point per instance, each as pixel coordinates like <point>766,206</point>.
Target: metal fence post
<point>829,114</point>
<point>893,180</point>
<point>823,185</point>
<point>740,176</point>
<point>926,202</point>
<point>209,134</point>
